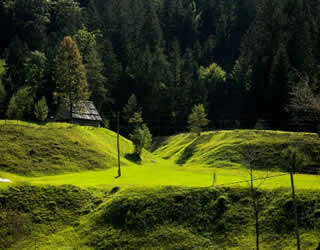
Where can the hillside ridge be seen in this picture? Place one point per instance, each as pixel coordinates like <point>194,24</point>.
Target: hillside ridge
<point>225,148</point>
<point>56,148</point>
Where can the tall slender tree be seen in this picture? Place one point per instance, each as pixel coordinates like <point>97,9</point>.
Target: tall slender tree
<point>3,92</point>
<point>70,74</point>
<point>87,43</point>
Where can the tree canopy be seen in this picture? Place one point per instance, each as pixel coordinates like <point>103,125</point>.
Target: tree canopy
<point>238,58</point>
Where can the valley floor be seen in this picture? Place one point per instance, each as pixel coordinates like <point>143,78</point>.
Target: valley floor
<point>157,175</point>
<point>190,193</point>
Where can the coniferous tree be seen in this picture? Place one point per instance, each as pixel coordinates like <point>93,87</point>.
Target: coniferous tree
<point>174,85</point>
<point>159,71</point>
<point>112,72</point>
<point>36,72</point>
<point>197,119</point>
<point>3,92</point>
<point>279,85</point>
<point>2,73</point>
<point>87,44</point>
<point>66,20</point>
<point>15,59</point>
<point>41,109</point>
<point>30,19</point>
<point>136,119</point>
<point>151,29</point>
<point>300,43</point>
<point>130,108</point>
<point>141,138</point>
<point>70,74</point>
<point>241,78</point>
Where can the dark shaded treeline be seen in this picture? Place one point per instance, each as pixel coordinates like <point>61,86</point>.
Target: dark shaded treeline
<point>155,49</point>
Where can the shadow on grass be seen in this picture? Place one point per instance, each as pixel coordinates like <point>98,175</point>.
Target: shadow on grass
<point>134,157</point>
<point>190,149</point>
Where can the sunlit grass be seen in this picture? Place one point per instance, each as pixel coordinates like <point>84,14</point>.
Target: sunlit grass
<point>213,159</point>
<point>223,149</point>
<point>56,148</point>
<point>169,175</point>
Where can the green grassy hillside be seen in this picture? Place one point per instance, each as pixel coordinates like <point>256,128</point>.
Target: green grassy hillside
<point>64,194</point>
<point>28,149</point>
<point>165,218</point>
<point>224,149</point>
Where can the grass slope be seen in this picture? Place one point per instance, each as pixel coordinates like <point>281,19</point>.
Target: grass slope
<point>64,204</point>
<point>223,148</point>
<point>167,218</point>
<point>28,149</point>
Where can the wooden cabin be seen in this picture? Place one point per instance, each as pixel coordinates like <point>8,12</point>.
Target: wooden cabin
<point>84,113</point>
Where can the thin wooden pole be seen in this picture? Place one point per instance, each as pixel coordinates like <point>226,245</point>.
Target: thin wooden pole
<point>255,207</point>
<point>295,203</point>
<point>118,145</point>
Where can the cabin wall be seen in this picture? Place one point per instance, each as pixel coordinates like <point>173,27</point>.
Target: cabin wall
<point>91,123</point>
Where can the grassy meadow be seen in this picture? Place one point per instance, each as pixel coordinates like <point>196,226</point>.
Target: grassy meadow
<point>166,175</point>
<point>190,192</point>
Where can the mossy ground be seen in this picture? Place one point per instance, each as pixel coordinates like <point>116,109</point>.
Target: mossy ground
<point>77,203</point>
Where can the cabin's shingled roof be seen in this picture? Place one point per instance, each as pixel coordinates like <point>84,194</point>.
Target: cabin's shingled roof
<point>83,111</point>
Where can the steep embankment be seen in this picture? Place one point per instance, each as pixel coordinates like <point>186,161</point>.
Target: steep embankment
<point>28,149</point>
<point>225,148</point>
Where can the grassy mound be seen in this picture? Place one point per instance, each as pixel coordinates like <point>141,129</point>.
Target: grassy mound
<point>29,149</point>
<point>225,148</point>
<point>162,218</point>
<point>28,212</point>
<point>203,219</point>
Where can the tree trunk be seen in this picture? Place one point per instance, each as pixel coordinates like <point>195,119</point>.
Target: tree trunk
<point>71,110</point>
<point>257,224</point>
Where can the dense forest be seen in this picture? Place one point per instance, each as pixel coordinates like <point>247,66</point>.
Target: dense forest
<point>244,60</point>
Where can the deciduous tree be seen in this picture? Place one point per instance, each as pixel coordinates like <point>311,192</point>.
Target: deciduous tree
<point>304,104</point>
<point>214,78</point>
<point>21,104</point>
